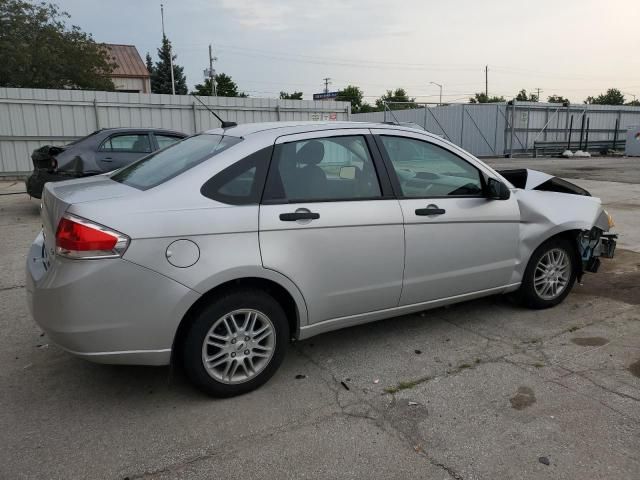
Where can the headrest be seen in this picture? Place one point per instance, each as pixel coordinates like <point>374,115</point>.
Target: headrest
<point>311,153</point>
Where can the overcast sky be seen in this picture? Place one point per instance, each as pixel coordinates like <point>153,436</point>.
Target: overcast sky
<point>573,48</point>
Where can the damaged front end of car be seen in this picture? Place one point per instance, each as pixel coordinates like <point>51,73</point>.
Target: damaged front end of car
<point>574,213</point>
<point>597,243</point>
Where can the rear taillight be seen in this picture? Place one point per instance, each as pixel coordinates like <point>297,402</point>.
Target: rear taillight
<point>82,239</point>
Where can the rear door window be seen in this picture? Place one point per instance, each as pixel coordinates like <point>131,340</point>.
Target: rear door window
<point>138,143</point>
<point>166,164</point>
<point>322,169</point>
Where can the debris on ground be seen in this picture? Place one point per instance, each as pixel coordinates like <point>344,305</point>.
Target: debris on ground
<point>413,404</point>
<point>544,460</point>
<point>300,376</point>
<point>344,385</point>
<point>417,352</point>
<point>376,381</point>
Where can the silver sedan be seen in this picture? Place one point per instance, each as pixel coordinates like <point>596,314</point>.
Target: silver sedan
<point>219,250</point>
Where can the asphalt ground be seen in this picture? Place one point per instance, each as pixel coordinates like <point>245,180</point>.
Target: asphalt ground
<point>483,389</point>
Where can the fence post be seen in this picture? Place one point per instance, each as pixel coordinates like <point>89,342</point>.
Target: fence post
<point>278,110</point>
<point>95,111</point>
<point>546,121</point>
<point>195,117</point>
<point>425,117</point>
<point>495,131</point>
<point>462,129</point>
<point>513,121</point>
<point>526,135</point>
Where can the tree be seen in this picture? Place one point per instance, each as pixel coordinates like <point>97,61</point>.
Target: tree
<point>482,98</point>
<point>161,72</point>
<point>291,96</point>
<point>203,89</point>
<point>352,94</point>
<point>523,97</point>
<point>366,108</point>
<point>39,50</point>
<point>557,99</point>
<point>225,87</point>
<point>612,97</point>
<point>149,63</point>
<point>397,95</point>
<point>633,103</point>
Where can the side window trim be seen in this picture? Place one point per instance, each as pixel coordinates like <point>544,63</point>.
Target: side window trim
<point>393,176</point>
<point>385,188</point>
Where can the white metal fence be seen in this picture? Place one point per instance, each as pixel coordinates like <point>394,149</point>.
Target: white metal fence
<point>30,118</point>
<point>496,129</point>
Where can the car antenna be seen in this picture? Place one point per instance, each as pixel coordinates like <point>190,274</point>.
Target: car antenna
<point>223,123</point>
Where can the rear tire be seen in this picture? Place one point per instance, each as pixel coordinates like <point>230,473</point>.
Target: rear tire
<point>236,343</point>
<point>550,274</point>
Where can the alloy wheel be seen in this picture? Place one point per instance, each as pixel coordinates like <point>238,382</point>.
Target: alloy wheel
<point>238,346</point>
<point>552,274</point>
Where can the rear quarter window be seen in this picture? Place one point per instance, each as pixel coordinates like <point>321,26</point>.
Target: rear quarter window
<point>164,165</point>
<point>241,183</point>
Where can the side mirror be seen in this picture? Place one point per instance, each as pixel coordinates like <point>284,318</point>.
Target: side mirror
<point>497,190</point>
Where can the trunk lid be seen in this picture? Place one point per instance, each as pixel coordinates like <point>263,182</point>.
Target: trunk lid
<point>57,197</point>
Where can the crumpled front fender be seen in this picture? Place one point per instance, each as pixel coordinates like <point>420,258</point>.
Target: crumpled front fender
<point>545,214</point>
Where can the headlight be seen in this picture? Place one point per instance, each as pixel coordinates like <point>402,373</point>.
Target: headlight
<point>610,220</point>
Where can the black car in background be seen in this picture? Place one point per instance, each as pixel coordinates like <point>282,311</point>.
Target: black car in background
<point>101,151</point>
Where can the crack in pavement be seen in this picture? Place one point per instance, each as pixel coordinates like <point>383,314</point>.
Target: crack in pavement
<point>12,287</point>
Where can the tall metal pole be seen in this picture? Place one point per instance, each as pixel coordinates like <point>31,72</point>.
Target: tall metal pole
<point>212,79</point>
<point>326,84</point>
<point>173,82</point>
<point>486,80</point>
<point>437,84</point>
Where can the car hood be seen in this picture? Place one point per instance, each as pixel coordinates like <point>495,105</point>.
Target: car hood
<point>527,179</point>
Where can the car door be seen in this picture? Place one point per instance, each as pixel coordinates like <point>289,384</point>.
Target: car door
<point>121,149</point>
<point>331,225</point>
<point>457,240</point>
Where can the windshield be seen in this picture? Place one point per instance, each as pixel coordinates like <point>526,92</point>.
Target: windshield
<point>165,164</point>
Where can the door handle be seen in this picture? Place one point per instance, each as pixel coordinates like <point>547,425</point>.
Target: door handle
<point>292,217</point>
<point>106,159</point>
<point>430,210</point>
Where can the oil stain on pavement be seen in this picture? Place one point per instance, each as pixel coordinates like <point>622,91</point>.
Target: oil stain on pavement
<point>523,398</point>
<point>590,341</point>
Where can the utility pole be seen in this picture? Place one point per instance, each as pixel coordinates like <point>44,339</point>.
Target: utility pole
<point>173,82</point>
<point>212,76</point>
<point>539,90</point>
<point>327,82</point>
<point>437,84</point>
<point>486,81</point>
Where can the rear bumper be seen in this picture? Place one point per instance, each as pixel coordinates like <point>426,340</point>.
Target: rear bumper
<point>107,310</point>
<point>35,182</point>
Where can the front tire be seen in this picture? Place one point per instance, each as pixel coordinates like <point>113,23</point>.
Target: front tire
<point>550,274</point>
<point>236,343</point>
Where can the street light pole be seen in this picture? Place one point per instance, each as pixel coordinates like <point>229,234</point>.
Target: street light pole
<point>173,82</point>
<point>437,84</point>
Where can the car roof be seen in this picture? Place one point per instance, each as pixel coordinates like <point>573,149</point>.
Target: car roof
<point>285,128</point>
<point>139,129</point>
